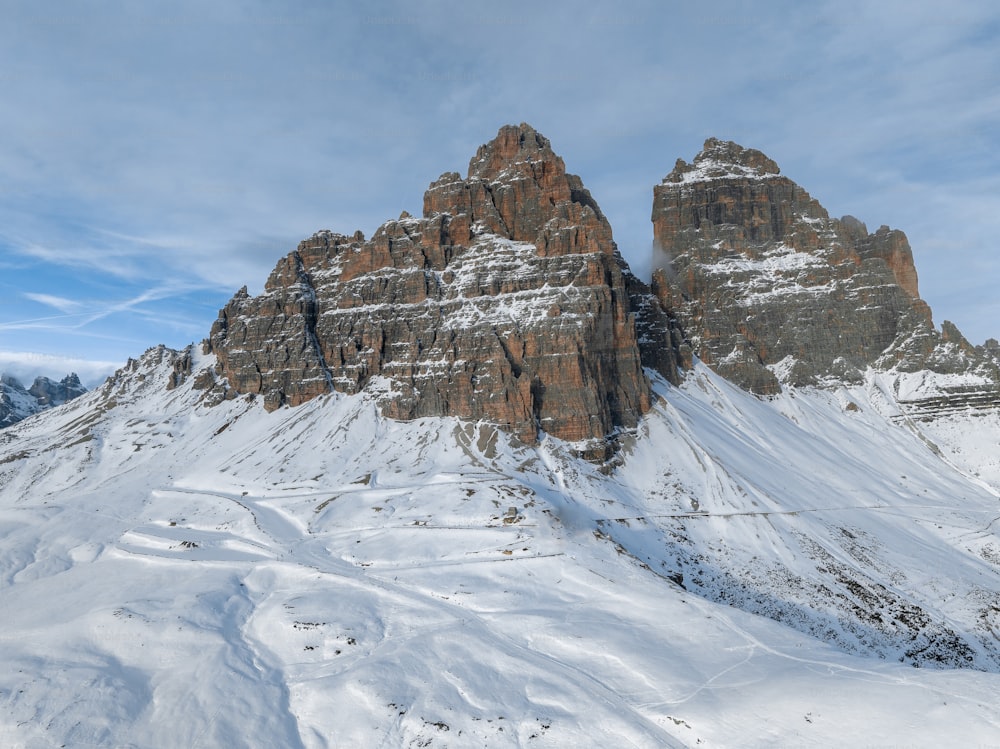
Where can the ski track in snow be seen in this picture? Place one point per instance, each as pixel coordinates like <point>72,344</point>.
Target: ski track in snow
<point>286,535</point>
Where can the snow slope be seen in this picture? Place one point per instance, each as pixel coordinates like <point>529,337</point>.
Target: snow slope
<point>805,571</point>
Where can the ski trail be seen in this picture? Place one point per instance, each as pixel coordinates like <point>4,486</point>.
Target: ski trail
<point>269,671</point>
<point>293,546</point>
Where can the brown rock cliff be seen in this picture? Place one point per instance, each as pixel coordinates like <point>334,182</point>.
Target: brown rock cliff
<point>507,301</point>
<point>770,289</point>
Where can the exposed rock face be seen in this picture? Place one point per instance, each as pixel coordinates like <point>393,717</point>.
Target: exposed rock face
<point>507,301</point>
<point>50,394</point>
<point>18,402</point>
<point>770,289</point>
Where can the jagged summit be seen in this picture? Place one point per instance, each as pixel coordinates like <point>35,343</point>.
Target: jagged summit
<point>770,289</point>
<point>507,301</point>
<point>721,159</point>
<point>518,188</point>
<point>18,402</point>
<point>514,146</point>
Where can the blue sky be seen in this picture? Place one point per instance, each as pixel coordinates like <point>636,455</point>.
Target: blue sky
<point>156,157</point>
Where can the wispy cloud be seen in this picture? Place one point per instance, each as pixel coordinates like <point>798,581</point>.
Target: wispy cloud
<point>67,306</point>
<point>188,160</point>
<point>110,329</point>
<point>81,313</point>
<point>62,322</point>
<point>101,311</point>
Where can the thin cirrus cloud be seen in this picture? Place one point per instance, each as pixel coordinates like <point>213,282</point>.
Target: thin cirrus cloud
<point>82,314</point>
<point>206,140</point>
<point>64,305</point>
<point>117,325</point>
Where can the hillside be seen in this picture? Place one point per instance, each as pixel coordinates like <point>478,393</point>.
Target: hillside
<point>184,575</point>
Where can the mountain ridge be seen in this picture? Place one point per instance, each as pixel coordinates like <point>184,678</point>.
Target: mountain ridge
<point>18,402</point>
<point>508,300</point>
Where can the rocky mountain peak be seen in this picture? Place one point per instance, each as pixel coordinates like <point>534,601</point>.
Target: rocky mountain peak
<point>506,301</point>
<point>18,402</point>
<point>50,393</point>
<point>721,159</point>
<point>769,289</point>
<point>515,149</point>
<point>518,188</point>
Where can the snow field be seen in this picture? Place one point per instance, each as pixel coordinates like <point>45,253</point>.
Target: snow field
<point>321,577</point>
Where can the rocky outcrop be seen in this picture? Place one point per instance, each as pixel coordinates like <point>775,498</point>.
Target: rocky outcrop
<point>769,289</point>
<point>18,402</point>
<point>506,301</point>
<point>49,393</point>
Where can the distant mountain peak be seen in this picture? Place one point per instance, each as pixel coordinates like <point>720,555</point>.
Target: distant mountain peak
<point>18,403</point>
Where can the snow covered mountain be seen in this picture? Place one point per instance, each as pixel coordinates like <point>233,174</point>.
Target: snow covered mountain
<point>185,561</point>
<point>752,572</point>
<point>18,402</point>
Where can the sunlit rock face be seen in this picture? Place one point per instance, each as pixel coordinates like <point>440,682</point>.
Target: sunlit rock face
<point>506,301</point>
